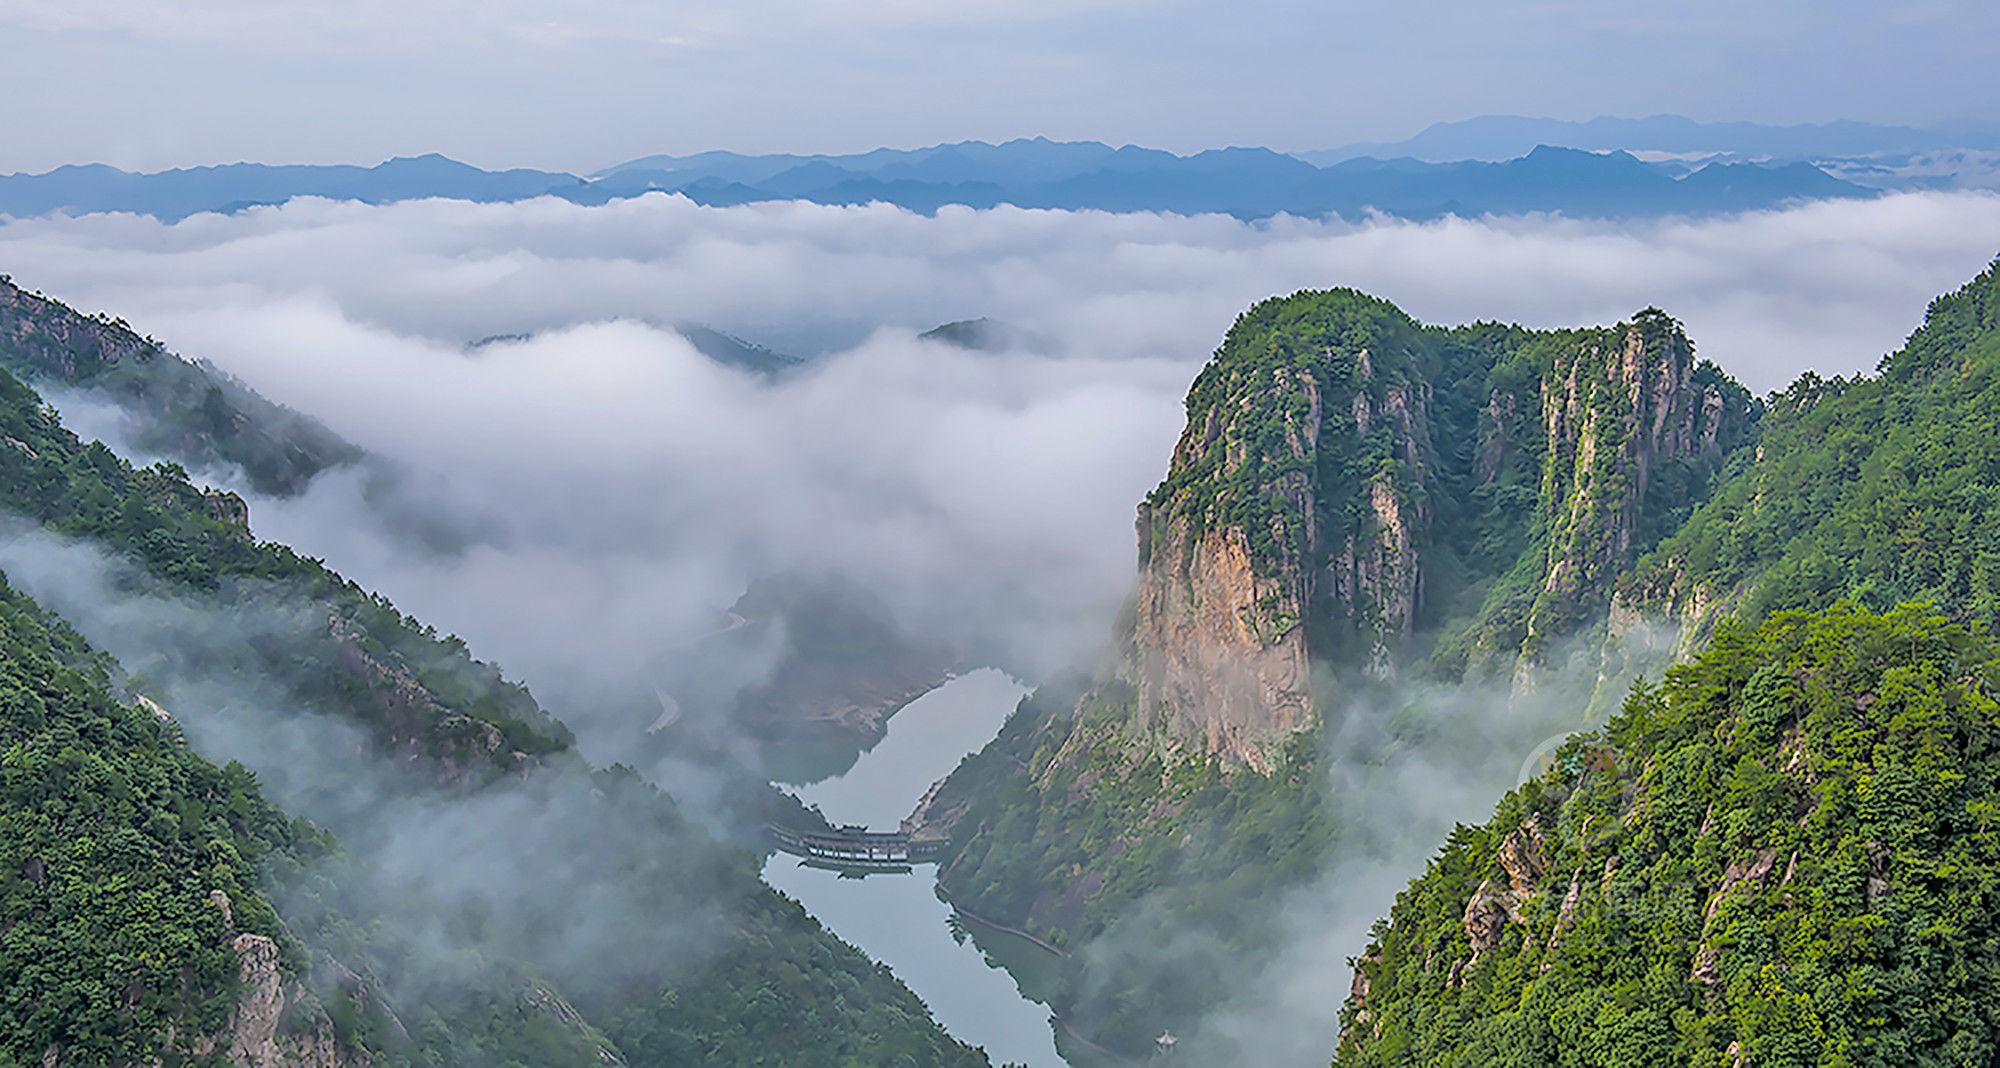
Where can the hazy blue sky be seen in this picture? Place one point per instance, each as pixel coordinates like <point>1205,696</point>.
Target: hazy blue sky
<point>583,83</point>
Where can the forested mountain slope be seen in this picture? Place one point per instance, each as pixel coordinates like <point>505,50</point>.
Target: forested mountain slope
<point>1785,854</point>
<point>373,958</point>
<point>191,412</point>
<point>346,652</point>
<point>132,920</point>
<point>1882,488</point>
<point>1786,843</point>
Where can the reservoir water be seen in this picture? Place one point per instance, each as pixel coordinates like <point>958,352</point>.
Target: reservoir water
<point>898,919</point>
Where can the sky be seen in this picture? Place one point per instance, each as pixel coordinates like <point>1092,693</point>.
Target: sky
<point>582,84</point>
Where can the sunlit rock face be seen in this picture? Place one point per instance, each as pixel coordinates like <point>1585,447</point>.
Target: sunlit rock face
<point>1347,475</point>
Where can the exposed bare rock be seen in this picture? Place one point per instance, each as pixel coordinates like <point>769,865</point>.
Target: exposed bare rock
<point>1218,649</point>
<point>1486,916</point>
<point>265,1029</point>
<point>932,821</point>
<point>1742,876</point>
<point>409,716</point>
<point>228,507</point>
<point>1878,872</point>
<point>1214,659</point>
<point>1357,991</point>
<point>1565,916</point>
<point>1607,460</point>
<point>1523,856</point>
<point>551,1004</point>
<point>152,706</point>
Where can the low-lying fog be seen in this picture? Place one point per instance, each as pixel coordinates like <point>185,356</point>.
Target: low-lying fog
<point>574,500</point>
<point>598,490</point>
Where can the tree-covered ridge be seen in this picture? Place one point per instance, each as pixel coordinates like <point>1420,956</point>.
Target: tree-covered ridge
<point>347,652</point>
<point>407,974</point>
<point>1511,474</point>
<point>1881,489</point>
<point>626,935</point>
<point>192,412</point>
<point>113,839</point>
<point>785,992</point>
<point>1276,402</point>
<point>1784,854</point>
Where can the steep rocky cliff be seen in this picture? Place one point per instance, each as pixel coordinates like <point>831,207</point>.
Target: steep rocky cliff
<point>1349,479</point>
<point>1359,505</point>
<point>275,1022</point>
<point>1878,488</point>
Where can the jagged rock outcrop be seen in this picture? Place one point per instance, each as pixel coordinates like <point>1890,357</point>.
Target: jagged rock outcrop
<point>275,1022</point>
<point>932,819</point>
<point>257,1037</point>
<point>228,507</point>
<point>1742,876</point>
<point>1340,461</point>
<point>547,1002</point>
<point>1208,660</point>
<point>1616,410</point>
<point>1523,857</point>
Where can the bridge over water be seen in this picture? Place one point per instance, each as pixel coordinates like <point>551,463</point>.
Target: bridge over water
<point>856,849</point>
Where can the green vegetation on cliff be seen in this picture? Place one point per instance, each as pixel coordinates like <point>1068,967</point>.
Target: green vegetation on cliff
<point>1881,489</point>
<point>1785,854</point>
<point>113,837</point>
<point>1505,475</point>
<point>346,651</point>
<point>1415,501</point>
<point>1780,856</point>
<point>1069,849</point>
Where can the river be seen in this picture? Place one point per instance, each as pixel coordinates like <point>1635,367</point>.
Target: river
<point>898,919</point>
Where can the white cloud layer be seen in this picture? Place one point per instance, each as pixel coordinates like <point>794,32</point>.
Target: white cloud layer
<point>600,491</point>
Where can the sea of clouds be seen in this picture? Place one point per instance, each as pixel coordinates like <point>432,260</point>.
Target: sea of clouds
<point>598,490</point>
<point>590,490</point>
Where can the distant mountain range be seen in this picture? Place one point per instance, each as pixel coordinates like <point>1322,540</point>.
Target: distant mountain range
<point>1604,168</point>
<point>1957,155</point>
<point>1498,137</point>
<point>176,194</point>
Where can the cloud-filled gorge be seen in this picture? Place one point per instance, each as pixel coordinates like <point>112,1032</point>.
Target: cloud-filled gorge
<point>588,490</point>
<point>598,490</point>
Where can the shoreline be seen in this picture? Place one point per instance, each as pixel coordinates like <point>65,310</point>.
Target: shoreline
<point>958,910</point>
